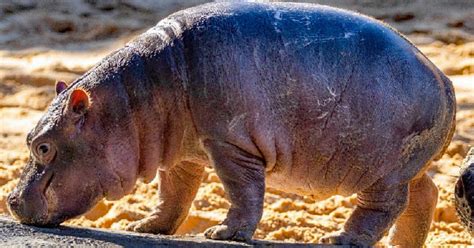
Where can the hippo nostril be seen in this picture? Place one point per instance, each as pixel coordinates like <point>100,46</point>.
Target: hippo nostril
<point>13,201</point>
<point>14,204</point>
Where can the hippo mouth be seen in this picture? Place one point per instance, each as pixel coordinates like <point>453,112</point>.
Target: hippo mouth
<point>48,183</point>
<point>49,221</point>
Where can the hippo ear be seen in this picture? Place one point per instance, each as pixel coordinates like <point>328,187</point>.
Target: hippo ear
<point>78,101</point>
<point>60,87</point>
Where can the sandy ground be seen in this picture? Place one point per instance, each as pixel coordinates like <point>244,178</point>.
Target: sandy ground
<point>47,41</point>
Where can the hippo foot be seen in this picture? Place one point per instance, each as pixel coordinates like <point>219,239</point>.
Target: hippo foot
<point>150,224</point>
<point>344,238</point>
<point>228,232</point>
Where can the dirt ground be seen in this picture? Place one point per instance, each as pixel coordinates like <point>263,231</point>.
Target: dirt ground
<point>41,42</point>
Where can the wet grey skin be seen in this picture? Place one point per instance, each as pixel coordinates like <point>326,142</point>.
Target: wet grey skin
<point>464,193</point>
<point>303,98</point>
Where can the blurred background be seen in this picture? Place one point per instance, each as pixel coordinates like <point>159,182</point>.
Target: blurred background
<point>45,41</point>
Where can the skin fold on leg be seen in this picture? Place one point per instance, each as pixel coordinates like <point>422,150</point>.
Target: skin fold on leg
<point>177,189</point>
<point>243,177</point>
<point>377,209</point>
<point>411,229</point>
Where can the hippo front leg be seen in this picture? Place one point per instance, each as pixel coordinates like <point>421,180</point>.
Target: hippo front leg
<point>177,189</point>
<point>243,176</point>
<point>377,210</point>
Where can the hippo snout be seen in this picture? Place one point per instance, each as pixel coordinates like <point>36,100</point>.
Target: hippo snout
<point>29,202</point>
<point>28,207</point>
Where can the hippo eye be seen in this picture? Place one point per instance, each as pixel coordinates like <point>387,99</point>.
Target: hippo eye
<point>43,149</point>
<point>44,152</point>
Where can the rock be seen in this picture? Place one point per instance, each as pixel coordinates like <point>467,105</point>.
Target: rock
<point>14,234</point>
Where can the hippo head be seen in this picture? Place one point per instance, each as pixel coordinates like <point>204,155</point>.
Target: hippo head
<point>81,150</point>
<point>464,193</point>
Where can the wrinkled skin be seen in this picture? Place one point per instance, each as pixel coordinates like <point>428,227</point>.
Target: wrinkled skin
<point>464,193</point>
<point>303,98</point>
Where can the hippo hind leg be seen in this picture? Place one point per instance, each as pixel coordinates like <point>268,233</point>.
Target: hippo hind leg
<point>243,177</point>
<point>411,206</point>
<point>411,228</point>
<point>377,209</point>
<point>405,194</point>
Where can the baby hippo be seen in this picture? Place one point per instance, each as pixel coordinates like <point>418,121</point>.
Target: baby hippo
<point>303,98</point>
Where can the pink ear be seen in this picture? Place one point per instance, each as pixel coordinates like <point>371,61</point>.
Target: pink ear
<point>79,101</point>
<point>60,87</point>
